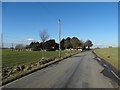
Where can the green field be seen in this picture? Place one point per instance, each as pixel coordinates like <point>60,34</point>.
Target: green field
<point>11,58</point>
<point>109,54</point>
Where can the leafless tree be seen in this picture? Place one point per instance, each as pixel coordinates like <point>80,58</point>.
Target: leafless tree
<point>43,36</point>
<point>19,47</point>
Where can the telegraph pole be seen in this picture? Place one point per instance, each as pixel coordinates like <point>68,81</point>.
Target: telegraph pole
<point>59,36</point>
<point>12,46</point>
<point>2,46</point>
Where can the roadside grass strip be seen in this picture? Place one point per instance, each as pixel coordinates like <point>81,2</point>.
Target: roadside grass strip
<point>26,72</point>
<point>107,65</point>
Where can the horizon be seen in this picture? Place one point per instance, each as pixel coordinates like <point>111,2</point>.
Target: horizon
<point>97,21</point>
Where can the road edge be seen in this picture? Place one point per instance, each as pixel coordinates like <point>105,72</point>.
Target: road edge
<point>114,71</point>
<point>39,68</point>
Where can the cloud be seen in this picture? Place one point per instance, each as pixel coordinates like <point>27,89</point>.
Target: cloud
<point>101,45</point>
<point>104,45</point>
<point>30,39</point>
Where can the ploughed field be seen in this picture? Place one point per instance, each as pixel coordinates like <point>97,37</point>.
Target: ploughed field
<point>110,55</point>
<point>11,58</point>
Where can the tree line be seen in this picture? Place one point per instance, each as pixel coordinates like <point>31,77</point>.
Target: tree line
<point>52,45</point>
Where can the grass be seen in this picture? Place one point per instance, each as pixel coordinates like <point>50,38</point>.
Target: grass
<point>23,73</point>
<point>106,52</point>
<point>11,58</point>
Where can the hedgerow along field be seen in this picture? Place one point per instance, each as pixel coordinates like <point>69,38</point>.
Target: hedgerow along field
<point>11,58</point>
<point>110,55</point>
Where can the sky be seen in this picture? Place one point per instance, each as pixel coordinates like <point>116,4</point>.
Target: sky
<point>60,0</point>
<point>97,21</point>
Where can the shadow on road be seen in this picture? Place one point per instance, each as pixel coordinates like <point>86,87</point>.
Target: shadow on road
<point>109,74</point>
<point>77,56</point>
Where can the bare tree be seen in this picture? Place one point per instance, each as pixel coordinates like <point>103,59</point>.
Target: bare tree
<point>19,47</point>
<point>43,36</point>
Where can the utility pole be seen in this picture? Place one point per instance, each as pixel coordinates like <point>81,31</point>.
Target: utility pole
<point>12,46</point>
<point>59,36</point>
<point>2,41</point>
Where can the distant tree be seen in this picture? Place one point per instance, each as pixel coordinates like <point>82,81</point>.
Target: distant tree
<point>19,47</point>
<point>44,36</point>
<point>31,43</point>
<point>27,47</point>
<point>110,46</point>
<point>88,44</point>
<point>82,44</point>
<point>67,43</point>
<point>62,44</point>
<point>75,42</point>
<point>35,46</point>
<point>51,45</point>
<point>40,46</point>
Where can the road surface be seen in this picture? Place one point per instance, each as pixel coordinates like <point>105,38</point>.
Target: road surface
<point>79,71</point>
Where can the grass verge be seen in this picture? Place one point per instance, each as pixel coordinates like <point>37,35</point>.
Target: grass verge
<point>24,73</point>
<point>11,58</point>
<point>109,56</point>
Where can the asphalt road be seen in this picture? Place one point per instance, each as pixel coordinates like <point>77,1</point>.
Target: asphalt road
<point>79,71</point>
